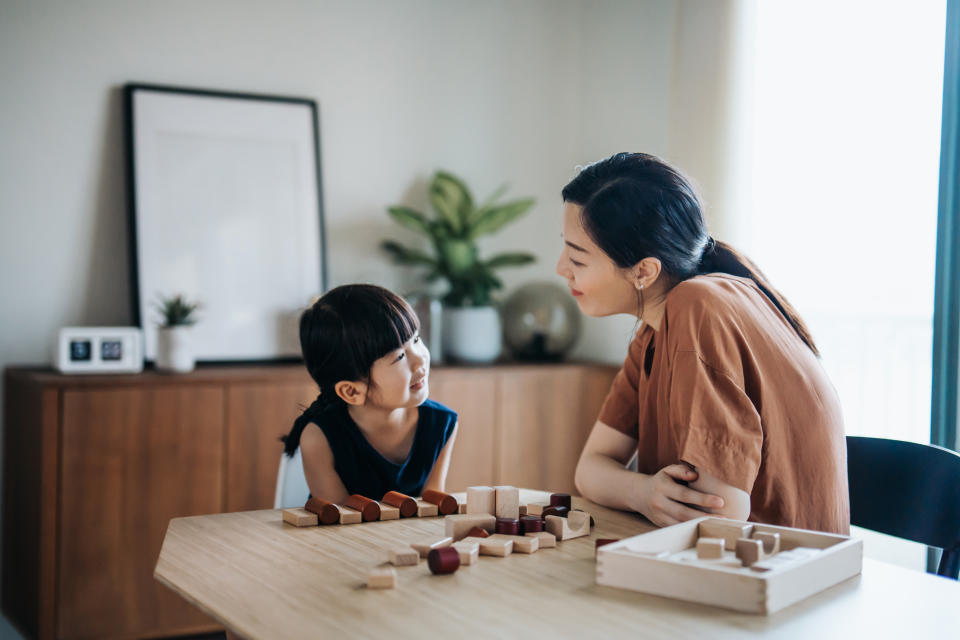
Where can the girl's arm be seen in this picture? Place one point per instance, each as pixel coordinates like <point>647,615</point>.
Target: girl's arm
<point>322,478</point>
<point>662,497</point>
<point>438,476</point>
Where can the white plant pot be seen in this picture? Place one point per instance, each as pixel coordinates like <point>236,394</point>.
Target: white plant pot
<point>175,350</point>
<point>472,334</point>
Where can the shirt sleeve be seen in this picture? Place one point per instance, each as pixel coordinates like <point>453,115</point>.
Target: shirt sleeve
<point>620,408</point>
<point>716,425</point>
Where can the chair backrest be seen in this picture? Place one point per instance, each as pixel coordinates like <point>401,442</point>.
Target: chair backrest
<point>292,489</point>
<point>907,490</point>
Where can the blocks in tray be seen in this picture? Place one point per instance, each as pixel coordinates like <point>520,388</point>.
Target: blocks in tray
<point>729,531</point>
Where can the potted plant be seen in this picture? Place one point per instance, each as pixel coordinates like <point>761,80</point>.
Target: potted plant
<point>471,324</point>
<point>174,349</point>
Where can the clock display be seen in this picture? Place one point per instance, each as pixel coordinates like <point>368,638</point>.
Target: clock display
<point>80,350</point>
<point>111,350</point>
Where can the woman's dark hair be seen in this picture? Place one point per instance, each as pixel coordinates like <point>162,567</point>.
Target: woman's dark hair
<point>341,336</point>
<point>637,206</point>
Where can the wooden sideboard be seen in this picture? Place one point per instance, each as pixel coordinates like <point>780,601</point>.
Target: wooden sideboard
<point>96,466</point>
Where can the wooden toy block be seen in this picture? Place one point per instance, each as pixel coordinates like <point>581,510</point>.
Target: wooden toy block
<point>368,508</point>
<point>492,546</point>
<point>469,551</point>
<point>523,510</point>
<point>459,527</point>
<point>348,515</point>
<point>482,500</point>
<point>426,509</point>
<point>462,507</point>
<point>710,548</point>
<point>555,511</point>
<point>579,521</point>
<point>382,578</point>
<point>445,502</point>
<point>593,521</point>
<point>443,561</point>
<point>547,539</point>
<point>771,542</point>
<point>784,559</point>
<point>478,532</point>
<point>536,509</point>
<point>387,512</point>
<point>729,531</point>
<point>508,526</point>
<point>530,524</point>
<point>750,551</point>
<point>600,542</point>
<point>521,544</point>
<point>300,517</point>
<point>561,528</point>
<point>426,546</point>
<point>508,502</point>
<point>560,500</point>
<point>327,512</point>
<point>403,556</point>
<point>406,504</point>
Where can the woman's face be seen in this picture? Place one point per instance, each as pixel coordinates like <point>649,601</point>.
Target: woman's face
<point>400,378</point>
<point>597,284</point>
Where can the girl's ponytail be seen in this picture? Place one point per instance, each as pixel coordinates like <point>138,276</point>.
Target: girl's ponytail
<point>719,257</point>
<point>324,402</point>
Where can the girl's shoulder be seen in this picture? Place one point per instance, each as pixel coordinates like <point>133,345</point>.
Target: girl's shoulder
<point>435,408</point>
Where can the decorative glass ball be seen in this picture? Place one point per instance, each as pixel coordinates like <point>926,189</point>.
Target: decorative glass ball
<point>541,321</point>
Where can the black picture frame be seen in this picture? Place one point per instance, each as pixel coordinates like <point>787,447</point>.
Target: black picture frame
<point>212,173</point>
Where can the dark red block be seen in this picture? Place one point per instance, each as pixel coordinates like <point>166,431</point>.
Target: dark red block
<point>508,526</point>
<point>530,524</point>
<point>368,508</point>
<point>556,511</point>
<point>478,532</point>
<point>560,500</point>
<point>443,561</point>
<point>445,502</point>
<point>406,504</point>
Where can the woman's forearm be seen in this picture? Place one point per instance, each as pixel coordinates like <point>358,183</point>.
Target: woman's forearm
<point>603,480</point>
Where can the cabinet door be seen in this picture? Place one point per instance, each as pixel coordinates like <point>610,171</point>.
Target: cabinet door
<point>132,459</point>
<point>545,415</point>
<point>257,415</point>
<point>472,394</point>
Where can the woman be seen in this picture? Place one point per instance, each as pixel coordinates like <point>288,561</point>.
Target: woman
<point>722,396</point>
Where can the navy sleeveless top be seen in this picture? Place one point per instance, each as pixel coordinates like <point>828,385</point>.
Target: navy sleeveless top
<point>365,471</point>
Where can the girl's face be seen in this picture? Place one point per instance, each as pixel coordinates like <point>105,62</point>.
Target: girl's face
<point>597,284</point>
<point>400,378</point>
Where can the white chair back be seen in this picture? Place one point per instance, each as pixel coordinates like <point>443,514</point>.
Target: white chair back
<point>292,489</point>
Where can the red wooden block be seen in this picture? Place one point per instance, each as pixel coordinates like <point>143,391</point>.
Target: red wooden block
<point>443,561</point>
<point>406,504</point>
<point>478,532</point>
<point>368,508</point>
<point>508,526</point>
<point>445,502</point>
<point>560,500</point>
<point>327,512</point>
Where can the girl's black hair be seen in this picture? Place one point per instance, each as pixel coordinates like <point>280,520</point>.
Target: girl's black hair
<point>341,336</point>
<point>637,206</point>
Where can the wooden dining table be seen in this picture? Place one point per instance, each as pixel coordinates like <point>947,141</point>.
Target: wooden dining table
<point>263,578</point>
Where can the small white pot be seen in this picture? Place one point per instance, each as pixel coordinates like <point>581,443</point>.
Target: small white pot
<point>472,334</point>
<point>175,350</point>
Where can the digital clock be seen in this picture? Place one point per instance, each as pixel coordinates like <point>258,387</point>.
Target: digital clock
<point>99,350</point>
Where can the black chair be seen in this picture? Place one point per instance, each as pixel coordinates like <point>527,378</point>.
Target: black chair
<point>907,490</point>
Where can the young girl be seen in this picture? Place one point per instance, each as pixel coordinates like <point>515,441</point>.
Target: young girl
<point>372,429</point>
<point>722,396</point>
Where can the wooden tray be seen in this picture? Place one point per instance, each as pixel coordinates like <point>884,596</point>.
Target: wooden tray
<point>633,563</point>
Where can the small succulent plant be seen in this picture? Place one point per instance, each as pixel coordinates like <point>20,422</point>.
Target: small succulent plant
<point>176,311</point>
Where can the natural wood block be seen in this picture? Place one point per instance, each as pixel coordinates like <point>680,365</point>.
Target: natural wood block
<point>710,548</point>
<point>349,516</point>
<point>749,551</point>
<point>508,502</point>
<point>560,528</point>
<point>481,500</point>
<point>523,510</point>
<point>462,507</point>
<point>387,512</point>
<point>426,546</point>
<point>730,532</point>
<point>521,544</point>
<point>493,546</point>
<point>536,509</point>
<point>404,556</point>
<point>426,509</point>
<point>771,542</point>
<point>579,522</point>
<point>458,526</point>
<point>382,578</point>
<point>300,517</point>
<point>546,539</point>
<point>469,551</point>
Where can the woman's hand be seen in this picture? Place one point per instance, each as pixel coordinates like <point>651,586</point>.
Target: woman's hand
<point>664,497</point>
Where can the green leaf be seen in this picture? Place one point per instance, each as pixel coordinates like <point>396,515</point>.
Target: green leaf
<point>509,260</point>
<point>452,200</point>
<point>493,219</point>
<point>410,219</point>
<point>459,256</point>
<point>405,255</point>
